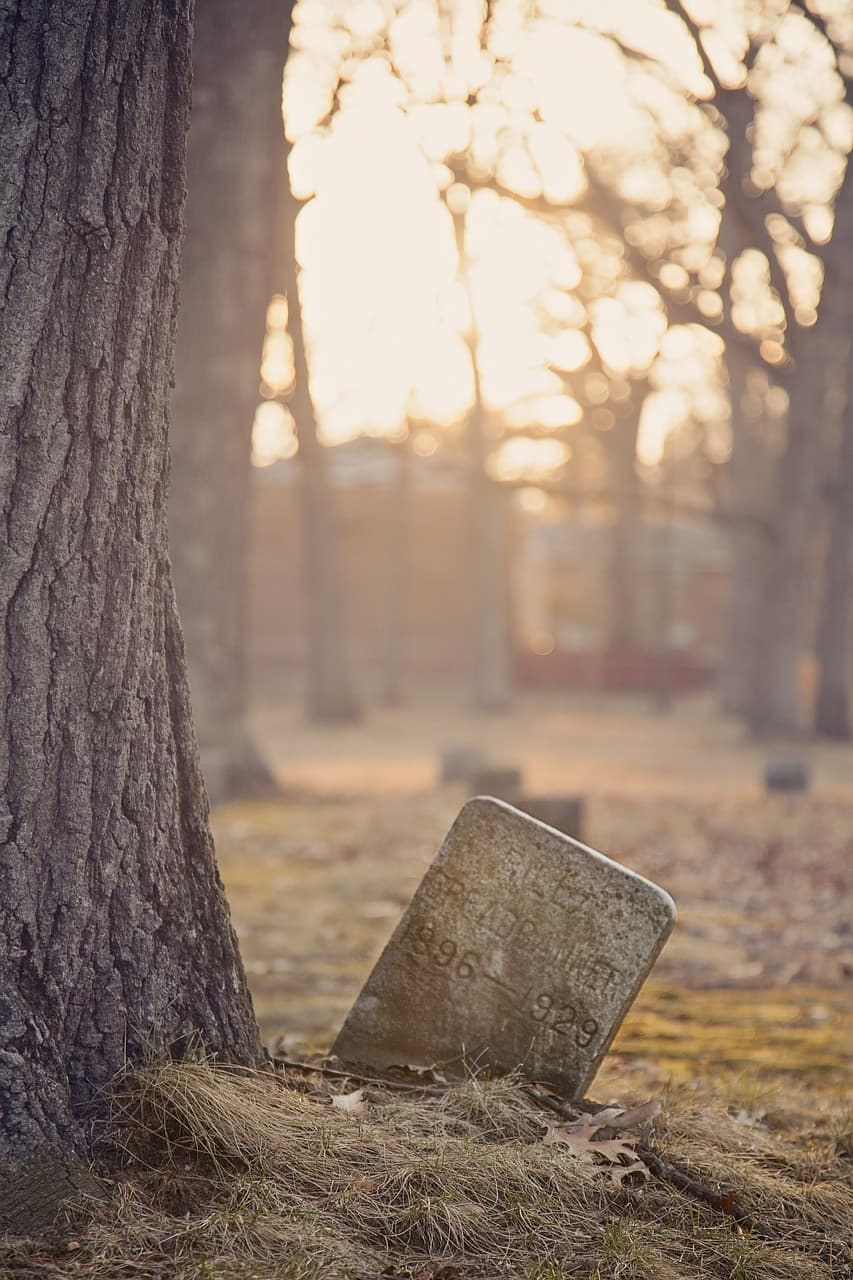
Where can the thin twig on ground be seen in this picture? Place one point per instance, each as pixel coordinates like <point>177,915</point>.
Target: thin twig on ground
<point>339,1073</point>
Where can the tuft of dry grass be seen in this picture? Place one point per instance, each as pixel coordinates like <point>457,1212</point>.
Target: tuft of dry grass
<point>228,1174</point>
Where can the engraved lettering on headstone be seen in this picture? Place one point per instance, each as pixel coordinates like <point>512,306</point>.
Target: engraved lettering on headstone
<point>521,949</point>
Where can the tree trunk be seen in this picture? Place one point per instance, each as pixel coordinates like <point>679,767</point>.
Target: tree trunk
<point>750,546</point>
<point>777,706</point>
<point>624,536</point>
<point>331,693</point>
<point>832,712</point>
<point>492,673</point>
<point>398,569</point>
<point>664,594</point>
<point>490,643</point>
<point>236,148</point>
<point>114,931</point>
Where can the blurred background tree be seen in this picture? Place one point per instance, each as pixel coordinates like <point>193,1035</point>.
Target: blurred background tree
<point>227,273</point>
<point>558,356</point>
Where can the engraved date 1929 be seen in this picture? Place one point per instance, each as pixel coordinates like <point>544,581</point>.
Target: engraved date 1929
<point>554,1015</point>
<point>563,1019</point>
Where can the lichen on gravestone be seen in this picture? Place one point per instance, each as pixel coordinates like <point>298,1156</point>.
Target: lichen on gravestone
<point>521,950</point>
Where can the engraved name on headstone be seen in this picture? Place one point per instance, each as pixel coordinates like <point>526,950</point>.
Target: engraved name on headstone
<point>521,949</point>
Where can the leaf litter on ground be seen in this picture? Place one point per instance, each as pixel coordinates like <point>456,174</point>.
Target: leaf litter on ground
<point>589,1137</point>
<point>229,1175</point>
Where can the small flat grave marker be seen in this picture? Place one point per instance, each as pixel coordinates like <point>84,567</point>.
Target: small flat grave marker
<point>563,812</point>
<point>521,949</point>
<point>786,774</point>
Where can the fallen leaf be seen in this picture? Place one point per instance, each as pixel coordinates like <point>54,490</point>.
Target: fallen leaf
<point>576,1140</point>
<point>587,1138</point>
<point>613,1149</point>
<point>621,1171</point>
<point>353,1103</point>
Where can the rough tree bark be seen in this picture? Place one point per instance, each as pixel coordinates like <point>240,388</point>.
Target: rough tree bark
<point>114,931</point>
<point>236,148</point>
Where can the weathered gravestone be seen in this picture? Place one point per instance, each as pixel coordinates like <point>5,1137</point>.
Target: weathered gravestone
<point>520,949</point>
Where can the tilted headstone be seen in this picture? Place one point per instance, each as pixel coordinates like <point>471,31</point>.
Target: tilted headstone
<point>563,812</point>
<point>521,949</point>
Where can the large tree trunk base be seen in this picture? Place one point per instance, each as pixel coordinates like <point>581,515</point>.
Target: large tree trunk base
<point>34,1197</point>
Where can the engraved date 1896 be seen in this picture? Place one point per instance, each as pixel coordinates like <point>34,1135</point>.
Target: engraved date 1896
<point>563,1019</point>
<point>443,953</point>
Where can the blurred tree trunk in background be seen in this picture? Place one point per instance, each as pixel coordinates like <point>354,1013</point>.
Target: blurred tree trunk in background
<point>625,533</point>
<point>488,551</point>
<point>235,152</point>
<point>398,576</point>
<point>776,707</point>
<point>492,667</point>
<point>832,712</point>
<point>114,932</point>
<point>330,694</point>
<point>799,509</point>
<point>751,473</point>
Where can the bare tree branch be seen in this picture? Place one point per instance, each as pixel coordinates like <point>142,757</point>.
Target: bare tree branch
<point>734,104</point>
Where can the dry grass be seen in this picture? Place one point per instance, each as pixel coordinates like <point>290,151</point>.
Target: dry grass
<point>230,1174</point>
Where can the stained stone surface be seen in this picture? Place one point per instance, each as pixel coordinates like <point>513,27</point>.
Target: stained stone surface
<point>521,949</point>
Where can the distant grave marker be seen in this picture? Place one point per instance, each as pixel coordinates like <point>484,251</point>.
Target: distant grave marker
<point>563,812</point>
<point>786,773</point>
<point>457,762</point>
<point>521,949</point>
